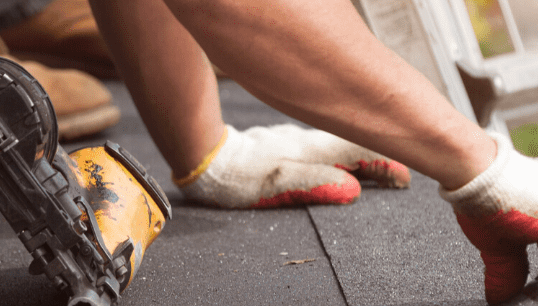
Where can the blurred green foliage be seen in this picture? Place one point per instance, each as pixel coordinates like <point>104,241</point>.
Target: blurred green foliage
<point>490,27</point>
<point>525,139</point>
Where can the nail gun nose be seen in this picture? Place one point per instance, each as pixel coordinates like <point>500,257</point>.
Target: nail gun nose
<point>90,298</point>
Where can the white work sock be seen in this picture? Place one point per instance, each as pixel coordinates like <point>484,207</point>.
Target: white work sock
<point>285,165</point>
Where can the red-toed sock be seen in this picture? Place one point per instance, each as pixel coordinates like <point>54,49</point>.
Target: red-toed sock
<point>498,212</point>
<point>286,165</point>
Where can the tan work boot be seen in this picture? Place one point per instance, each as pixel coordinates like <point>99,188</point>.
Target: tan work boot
<point>82,104</point>
<point>63,35</point>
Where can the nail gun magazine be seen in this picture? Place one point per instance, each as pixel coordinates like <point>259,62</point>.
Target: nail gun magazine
<point>86,217</point>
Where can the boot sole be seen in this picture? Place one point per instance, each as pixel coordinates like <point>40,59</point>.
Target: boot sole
<point>87,123</point>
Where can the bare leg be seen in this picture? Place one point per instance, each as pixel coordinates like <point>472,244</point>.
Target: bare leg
<point>169,77</point>
<point>176,93</point>
<point>317,61</point>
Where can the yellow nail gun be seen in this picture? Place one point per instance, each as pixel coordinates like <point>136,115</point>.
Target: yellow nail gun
<point>86,217</point>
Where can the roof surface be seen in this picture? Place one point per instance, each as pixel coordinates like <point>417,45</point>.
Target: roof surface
<point>390,247</point>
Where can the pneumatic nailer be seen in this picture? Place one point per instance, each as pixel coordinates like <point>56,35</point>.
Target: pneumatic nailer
<point>86,217</point>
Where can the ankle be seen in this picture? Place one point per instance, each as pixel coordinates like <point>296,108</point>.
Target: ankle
<point>186,174</point>
<point>479,158</point>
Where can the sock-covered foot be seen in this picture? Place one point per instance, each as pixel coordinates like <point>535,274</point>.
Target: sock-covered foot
<point>286,165</point>
<point>498,212</point>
